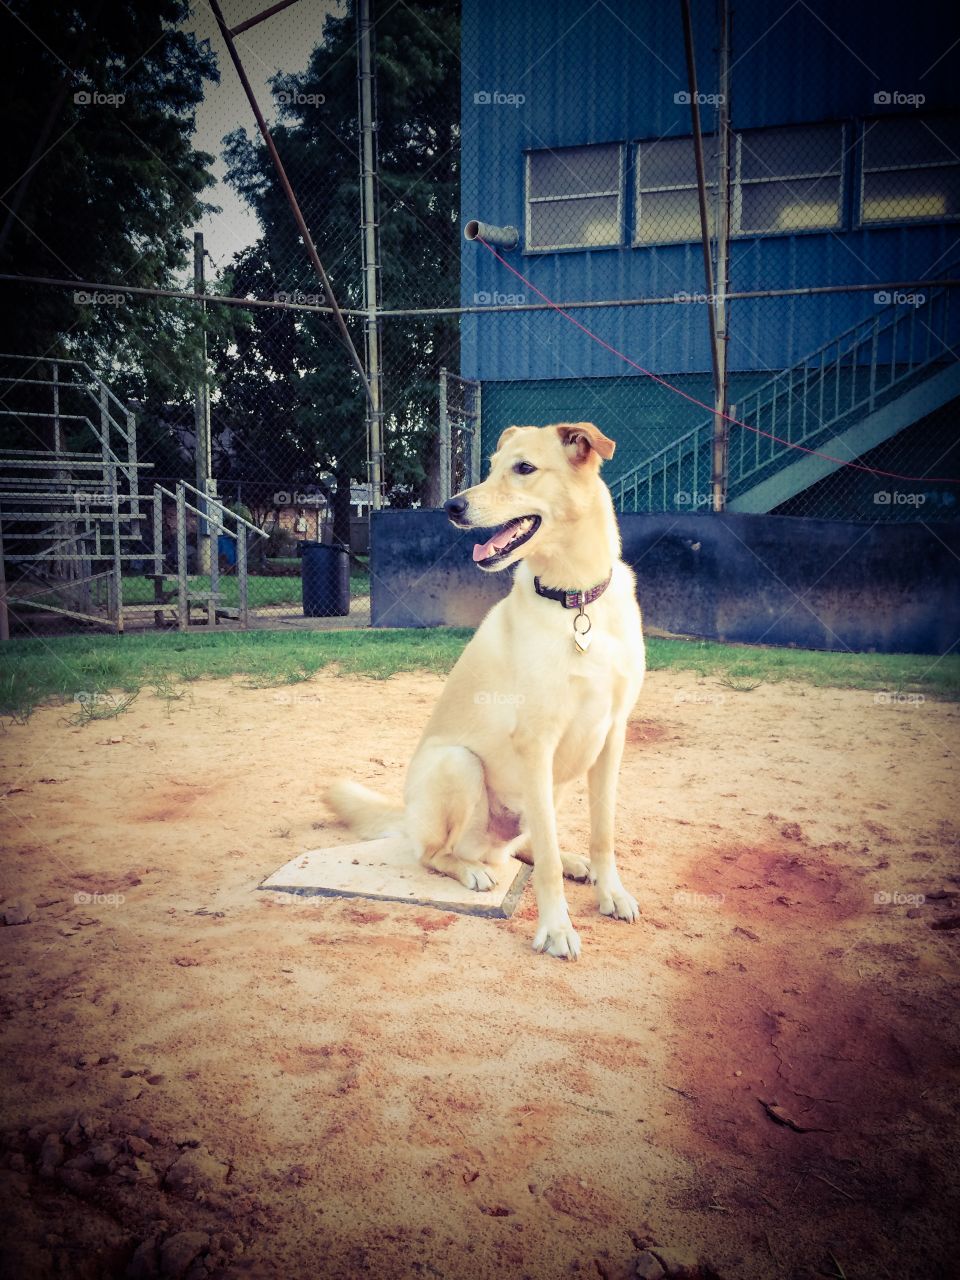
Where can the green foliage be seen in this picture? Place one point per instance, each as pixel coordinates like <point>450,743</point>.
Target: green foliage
<point>101,190</point>
<point>33,671</point>
<point>290,394</point>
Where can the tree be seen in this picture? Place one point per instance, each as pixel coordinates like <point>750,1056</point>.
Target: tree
<point>101,181</point>
<point>318,412</point>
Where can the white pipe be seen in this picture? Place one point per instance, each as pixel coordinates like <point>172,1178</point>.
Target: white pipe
<point>502,237</point>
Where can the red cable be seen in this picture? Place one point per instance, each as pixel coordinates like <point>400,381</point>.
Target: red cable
<point>842,462</point>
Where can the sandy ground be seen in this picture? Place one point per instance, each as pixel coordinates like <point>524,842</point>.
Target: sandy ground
<point>758,1079</point>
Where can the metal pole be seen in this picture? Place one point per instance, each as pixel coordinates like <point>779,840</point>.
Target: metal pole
<point>396,313</point>
<point>721,427</point>
<point>291,198</point>
<point>104,434</point>
<point>476,452</point>
<point>117,548</point>
<point>213,542</point>
<point>157,553</point>
<point>201,412</point>
<point>243,610</point>
<point>57,442</point>
<point>701,184</point>
<point>445,486</point>
<point>262,17</point>
<point>371,251</point>
<point>61,568</point>
<point>133,475</point>
<point>183,604</point>
<point>4,617</point>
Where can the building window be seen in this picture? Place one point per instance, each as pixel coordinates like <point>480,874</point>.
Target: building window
<point>911,170</point>
<point>574,197</point>
<point>788,180</point>
<point>667,206</point>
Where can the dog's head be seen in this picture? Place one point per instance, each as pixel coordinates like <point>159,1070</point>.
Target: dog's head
<point>541,478</point>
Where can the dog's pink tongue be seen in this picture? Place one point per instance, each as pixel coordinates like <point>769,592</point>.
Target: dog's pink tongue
<point>482,550</point>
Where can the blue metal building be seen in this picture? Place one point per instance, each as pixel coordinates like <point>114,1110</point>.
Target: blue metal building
<point>844,171</point>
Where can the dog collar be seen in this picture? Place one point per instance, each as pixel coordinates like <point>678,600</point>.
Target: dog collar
<point>573,599</point>
<point>576,600</point>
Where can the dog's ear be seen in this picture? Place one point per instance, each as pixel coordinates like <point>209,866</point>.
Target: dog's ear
<point>582,439</point>
<point>505,436</point>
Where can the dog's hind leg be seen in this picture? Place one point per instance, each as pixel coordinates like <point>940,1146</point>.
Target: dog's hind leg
<point>574,867</point>
<point>446,814</point>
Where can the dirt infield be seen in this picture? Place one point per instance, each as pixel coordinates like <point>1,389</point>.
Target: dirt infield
<point>758,1079</point>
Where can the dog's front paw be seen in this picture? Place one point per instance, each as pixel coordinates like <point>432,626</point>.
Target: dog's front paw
<point>613,900</point>
<point>560,940</point>
<point>475,875</point>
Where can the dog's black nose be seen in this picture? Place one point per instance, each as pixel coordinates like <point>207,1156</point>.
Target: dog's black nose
<point>456,508</point>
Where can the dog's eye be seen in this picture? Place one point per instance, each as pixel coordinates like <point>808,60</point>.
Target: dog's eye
<point>524,468</point>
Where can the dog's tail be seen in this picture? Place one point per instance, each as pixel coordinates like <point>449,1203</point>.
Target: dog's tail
<point>367,814</point>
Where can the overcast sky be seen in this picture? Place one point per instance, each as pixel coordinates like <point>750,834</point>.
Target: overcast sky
<point>281,43</point>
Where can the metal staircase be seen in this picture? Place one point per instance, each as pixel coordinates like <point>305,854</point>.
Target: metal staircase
<point>848,396</point>
<point>76,525</point>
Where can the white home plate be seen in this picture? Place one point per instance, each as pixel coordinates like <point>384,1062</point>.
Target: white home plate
<point>384,869</point>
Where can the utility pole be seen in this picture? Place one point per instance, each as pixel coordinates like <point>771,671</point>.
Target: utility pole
<point>201,415</point>
<point>370,231</point>
<point>721,427</point>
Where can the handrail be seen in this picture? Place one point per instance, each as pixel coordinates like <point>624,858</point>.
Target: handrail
<point>15,355</point>
<point>784,383</point>
<point>205,515</point>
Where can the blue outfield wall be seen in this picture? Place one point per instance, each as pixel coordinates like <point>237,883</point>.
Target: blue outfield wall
<point>754,579</point>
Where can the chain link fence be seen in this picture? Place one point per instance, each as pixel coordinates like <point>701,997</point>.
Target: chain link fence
<point>809,369</point>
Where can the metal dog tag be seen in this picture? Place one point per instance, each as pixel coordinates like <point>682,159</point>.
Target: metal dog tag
<point>582,638</point>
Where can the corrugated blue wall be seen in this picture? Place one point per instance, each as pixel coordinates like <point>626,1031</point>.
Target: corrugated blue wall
<point>609,72</point>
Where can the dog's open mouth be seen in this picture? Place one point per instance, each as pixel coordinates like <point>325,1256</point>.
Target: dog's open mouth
<point>507,538</point>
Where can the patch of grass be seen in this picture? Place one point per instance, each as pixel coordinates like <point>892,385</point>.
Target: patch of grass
<point>264,591</point>
<point>101,706</point>
<point>739,684</point>
<point>165,689</point>
<point>38,670</point>
<point>740,665</point>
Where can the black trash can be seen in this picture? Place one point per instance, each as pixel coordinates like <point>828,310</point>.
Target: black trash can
<point>325,577</point>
